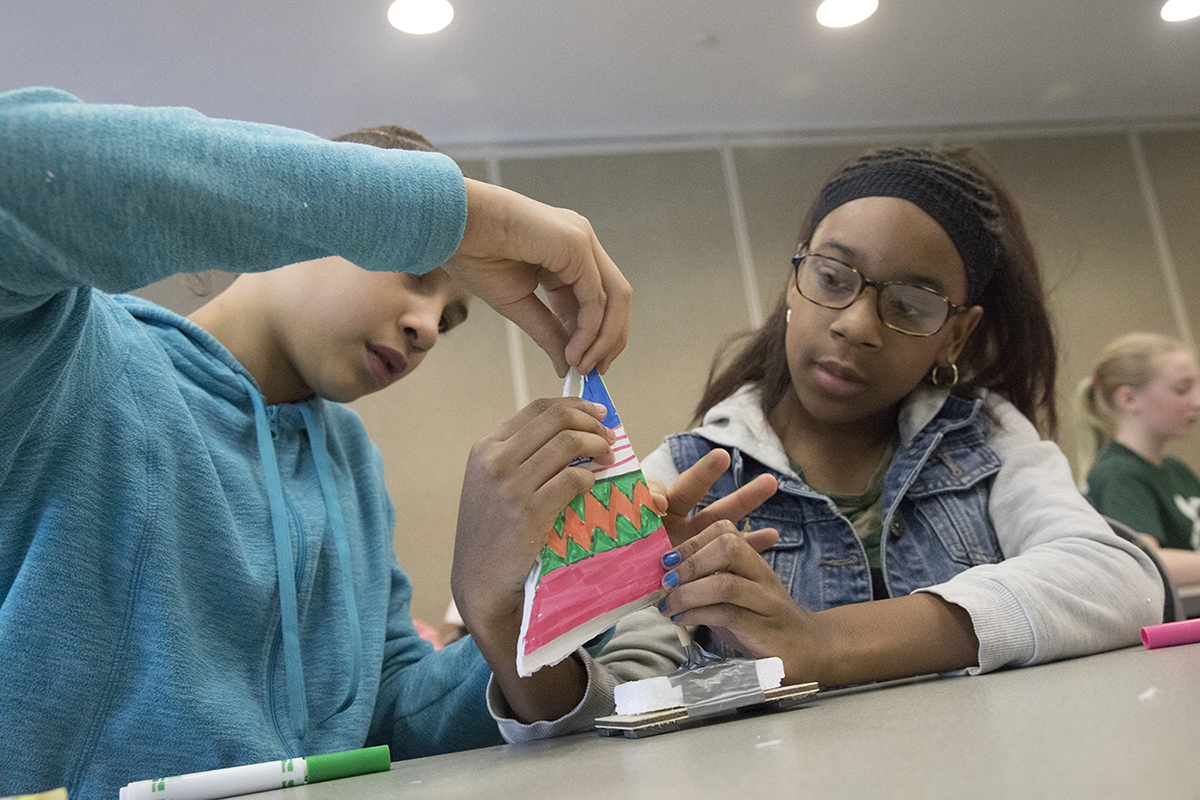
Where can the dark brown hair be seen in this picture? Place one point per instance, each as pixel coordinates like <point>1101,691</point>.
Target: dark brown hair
<point>1011,351</point>
<point>389,137</point>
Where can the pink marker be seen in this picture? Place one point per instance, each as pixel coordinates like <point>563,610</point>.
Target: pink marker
<point>1171,633</point>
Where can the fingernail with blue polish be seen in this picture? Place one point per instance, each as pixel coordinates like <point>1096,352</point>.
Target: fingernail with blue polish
<point>662,606</point>
<point>671,559</point>
<point>676,618</point>
<point>671,579</point>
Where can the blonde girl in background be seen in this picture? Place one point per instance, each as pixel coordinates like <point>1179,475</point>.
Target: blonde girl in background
<point>1143,394</point>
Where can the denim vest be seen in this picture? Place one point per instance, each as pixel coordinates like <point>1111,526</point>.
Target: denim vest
<point>935,515</point>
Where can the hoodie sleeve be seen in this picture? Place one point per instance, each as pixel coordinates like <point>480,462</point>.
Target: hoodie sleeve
<point>1068,585</point>
<point>641,645</point>
<point>117,197</point>
<point>430,701</point>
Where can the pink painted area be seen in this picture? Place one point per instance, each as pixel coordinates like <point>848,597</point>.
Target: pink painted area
<point>569,596</point>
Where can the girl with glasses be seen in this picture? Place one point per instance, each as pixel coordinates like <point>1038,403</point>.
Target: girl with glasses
<point>921,523</point>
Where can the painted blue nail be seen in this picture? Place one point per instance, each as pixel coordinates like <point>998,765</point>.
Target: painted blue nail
<point>676,618</point>
<point>671,579</point>
<point>662,606</point>
<point>671,559</point>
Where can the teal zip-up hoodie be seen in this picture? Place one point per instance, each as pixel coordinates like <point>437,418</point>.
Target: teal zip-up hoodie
<point>191,579</point>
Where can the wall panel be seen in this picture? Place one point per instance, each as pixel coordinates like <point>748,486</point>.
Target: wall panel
<point>1083,206</point>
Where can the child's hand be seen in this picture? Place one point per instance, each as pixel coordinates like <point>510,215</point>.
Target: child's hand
<point>676,503</point>
<point>517,481</point>
<point>717,578</point>
<point>511,245</point>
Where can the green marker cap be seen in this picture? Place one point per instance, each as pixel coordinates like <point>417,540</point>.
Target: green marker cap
<point>347,763</point>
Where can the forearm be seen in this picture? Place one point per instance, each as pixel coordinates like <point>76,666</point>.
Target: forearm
<point>548,694</point>
<point>117,197</point>
<point>895,638</point>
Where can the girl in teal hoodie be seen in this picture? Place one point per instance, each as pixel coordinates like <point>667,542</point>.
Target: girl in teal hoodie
<point>196,561</point>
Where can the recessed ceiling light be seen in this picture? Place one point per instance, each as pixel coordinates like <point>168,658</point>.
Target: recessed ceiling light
<point>841,13</point>
<point>1179,10</point>
<point>420,16</point>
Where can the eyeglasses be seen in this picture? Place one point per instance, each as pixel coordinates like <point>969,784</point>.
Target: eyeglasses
<point>904,307</point>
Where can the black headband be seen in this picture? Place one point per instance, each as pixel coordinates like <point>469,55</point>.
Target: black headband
<point>942,198</point>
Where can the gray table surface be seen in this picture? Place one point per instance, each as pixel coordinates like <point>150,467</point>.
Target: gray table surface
<point>1123,724</point>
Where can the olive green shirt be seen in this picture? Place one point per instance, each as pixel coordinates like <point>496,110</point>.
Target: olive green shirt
<point>865,511</point>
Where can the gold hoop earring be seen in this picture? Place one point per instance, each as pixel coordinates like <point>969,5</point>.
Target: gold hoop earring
<point>788,317</point>
<point>933,375</point>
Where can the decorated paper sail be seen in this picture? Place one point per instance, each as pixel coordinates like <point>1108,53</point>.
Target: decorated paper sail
<point>602,558</point>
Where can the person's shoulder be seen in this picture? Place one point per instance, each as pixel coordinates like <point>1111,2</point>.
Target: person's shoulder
<point>1100,475</point>
<point>1119,459</point>
<point>739,422</point>
<point>1119,470</point>
<point>1107,463</point>
<point>1002,410</point>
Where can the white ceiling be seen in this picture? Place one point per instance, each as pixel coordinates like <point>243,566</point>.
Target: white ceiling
<point>545,70</point>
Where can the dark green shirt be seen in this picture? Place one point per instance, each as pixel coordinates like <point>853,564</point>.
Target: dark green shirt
<point>1163,502</point>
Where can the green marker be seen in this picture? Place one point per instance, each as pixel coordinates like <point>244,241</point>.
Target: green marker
<point>261,777</point>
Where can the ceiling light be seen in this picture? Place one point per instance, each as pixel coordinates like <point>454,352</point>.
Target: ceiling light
<point>1179,10</point>
<point>840,13</point>
<point>420,16</point>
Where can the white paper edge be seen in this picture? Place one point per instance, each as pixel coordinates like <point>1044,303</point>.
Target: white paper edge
<point>557,649</point>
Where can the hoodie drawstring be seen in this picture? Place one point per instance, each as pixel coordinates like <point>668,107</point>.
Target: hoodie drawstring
<point>297,699</point>
<point>293,668</point>
<point>316,437</point>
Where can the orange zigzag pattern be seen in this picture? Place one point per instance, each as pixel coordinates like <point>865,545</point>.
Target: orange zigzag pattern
<point>595,515</point>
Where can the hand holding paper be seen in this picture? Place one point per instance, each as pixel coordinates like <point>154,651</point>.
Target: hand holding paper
<point>601,558</point>
<point>517,480</point>
<point>529,489</point>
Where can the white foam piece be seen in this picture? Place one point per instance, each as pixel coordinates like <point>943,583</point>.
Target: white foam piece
<point>656,694</point>
<point>770,672</point>
<point>649,694</point>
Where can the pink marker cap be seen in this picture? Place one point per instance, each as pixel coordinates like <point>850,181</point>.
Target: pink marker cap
<point>1171,633</point>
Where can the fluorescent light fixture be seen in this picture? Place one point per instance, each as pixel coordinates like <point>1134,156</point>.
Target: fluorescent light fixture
<point>841,13</point>
<point>420,16</point>
<point>1179,10</point>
